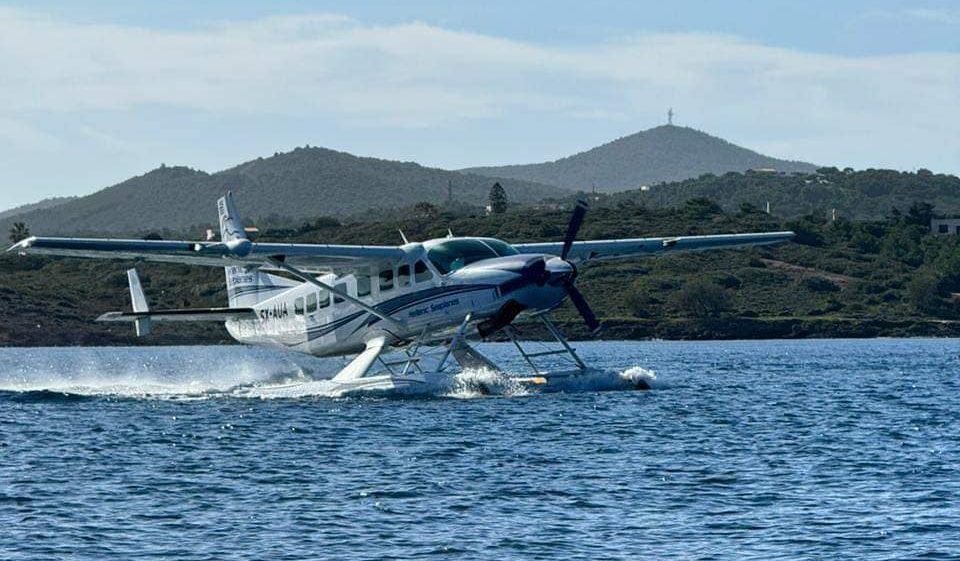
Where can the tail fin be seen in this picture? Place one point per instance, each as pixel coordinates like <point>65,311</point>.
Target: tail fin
<point>231,227</point>
<point>246,286</point>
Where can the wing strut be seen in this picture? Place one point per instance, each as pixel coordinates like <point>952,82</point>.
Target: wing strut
<point>278,262</point>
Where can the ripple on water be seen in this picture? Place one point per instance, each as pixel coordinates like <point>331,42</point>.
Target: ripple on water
<point>741,450</point>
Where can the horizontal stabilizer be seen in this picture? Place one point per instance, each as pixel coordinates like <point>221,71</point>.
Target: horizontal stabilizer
<point>197,314</point>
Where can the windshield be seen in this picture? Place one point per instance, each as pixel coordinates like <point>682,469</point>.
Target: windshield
<point>451,255</point>
<point>503,249</point>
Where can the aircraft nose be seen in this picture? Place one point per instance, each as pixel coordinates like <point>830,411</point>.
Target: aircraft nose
<point>535,270</point>
<point>528,270</point>
<point>559,271</point>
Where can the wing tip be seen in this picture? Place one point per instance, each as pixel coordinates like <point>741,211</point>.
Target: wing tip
<point>110,316</point>
<point>22,245</point>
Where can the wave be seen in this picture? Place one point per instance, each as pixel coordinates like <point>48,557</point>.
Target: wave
<point>208,373</point>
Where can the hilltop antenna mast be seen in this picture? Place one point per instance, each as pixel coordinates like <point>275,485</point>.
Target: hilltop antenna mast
<point>670,116</point>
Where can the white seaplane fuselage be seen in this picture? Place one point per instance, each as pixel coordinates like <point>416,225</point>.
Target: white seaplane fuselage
<point>416,291</point>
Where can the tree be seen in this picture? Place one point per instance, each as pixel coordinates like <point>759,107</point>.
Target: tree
<point>18,232</point>
<point>700,208</point>
<point>498,199</point>
<point>702,299</point>
<point>895,215</point>
<point>923,292</point>
<point>920,214</point>
<point>425,211</point>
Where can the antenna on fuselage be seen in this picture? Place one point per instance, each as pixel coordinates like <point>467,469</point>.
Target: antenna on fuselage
<point>449,233</point>
<point>403,236</point>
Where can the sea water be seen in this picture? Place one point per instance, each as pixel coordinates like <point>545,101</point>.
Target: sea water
<point>740,450</point>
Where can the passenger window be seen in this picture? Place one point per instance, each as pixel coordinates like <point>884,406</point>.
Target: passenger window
<point>363,284</point>
<point>312,303</point>
<point>386,280</point>
<point>342,287</point>
<point>403,275</point>
<point>324,299</point>
<point>421,273</point>
<point>298,306</point>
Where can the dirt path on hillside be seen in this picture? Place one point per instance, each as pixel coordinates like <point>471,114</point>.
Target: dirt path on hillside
<point>841,280</point>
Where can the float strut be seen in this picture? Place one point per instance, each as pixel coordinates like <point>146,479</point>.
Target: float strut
<point>455,341</point>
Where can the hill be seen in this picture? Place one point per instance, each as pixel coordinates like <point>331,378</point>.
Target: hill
<point>662,154</point>
<point>304,183</point>
<point>870,194</point>
<point>40,205</point>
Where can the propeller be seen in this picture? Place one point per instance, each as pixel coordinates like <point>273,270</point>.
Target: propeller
<point>579,302</point>
<point>576,221</point>
<point>534,271</point>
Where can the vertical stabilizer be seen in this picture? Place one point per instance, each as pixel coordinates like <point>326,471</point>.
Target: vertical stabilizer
<point>231,227</point>
<point>246,286</point>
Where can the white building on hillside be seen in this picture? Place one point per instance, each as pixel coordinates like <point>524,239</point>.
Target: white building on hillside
<point>944,226</point>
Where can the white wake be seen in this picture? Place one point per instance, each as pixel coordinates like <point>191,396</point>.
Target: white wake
<point>231,372</point>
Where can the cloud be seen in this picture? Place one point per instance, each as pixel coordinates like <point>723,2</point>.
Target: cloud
<point>17,132</point>
<point>932,15</point>
<point>417,75</point>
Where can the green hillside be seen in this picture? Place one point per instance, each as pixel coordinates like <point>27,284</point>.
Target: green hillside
<point>839,278</point>
<point>859,195</point>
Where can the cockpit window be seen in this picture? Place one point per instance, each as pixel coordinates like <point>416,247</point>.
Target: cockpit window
<point>450,255</point>
<point>503,249</point>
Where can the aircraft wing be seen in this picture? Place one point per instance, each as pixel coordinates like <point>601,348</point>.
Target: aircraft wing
<point>600,250</point>
<point>214,254</point>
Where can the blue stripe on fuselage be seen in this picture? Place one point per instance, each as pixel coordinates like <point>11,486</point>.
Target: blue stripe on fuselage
<point>394,305</point>
<point>246,290</point>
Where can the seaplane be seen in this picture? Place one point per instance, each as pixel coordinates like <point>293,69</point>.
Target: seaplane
<point>373,304</point>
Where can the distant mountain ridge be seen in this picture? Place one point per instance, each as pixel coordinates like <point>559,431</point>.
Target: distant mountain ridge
<point>310,182</point>
<point>302,184</point>
<point>662,154</point>
<point>39,205</point>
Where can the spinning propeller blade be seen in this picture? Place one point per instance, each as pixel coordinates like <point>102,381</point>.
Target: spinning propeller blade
<point>576,220</point>
<point>581,304</point>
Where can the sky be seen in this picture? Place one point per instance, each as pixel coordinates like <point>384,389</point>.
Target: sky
<point>92,93</point>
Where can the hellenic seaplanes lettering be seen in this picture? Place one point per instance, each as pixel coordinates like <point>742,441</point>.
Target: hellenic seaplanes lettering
<point>434,307</point>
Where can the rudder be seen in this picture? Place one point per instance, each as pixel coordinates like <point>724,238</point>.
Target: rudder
<point>246,286</point>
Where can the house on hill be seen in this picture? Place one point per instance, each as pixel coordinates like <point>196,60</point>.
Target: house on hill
<point>944,226</point>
